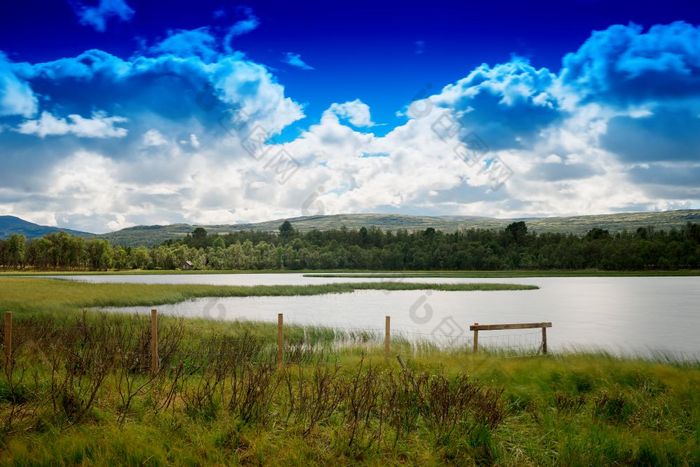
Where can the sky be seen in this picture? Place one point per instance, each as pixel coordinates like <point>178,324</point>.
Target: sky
<point>115,113</point>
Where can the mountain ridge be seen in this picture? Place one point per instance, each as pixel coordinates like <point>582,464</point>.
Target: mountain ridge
<point>10,225</point>
<point>573,224</point>
<point>150,235</point>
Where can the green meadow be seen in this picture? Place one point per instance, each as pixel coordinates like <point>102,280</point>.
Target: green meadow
<point>39,295</point>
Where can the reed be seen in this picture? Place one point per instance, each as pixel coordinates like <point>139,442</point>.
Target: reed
<point>80,391</point>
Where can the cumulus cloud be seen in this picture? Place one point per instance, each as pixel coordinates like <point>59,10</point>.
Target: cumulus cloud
<point>214,89</point>
<point>623,64</point>
<point>97,16</point>
<point>154,138</point>
<point>188,43</point>
<point>292,59</point>
<point>98,126</point>
<point>171,117</point>
<point>557,171</point>
<point>16,97</point>
<point>356,112</point>
<point>507,104</point>
<point>195,141</point>
<point>684,176</point>
<point>668,134</point>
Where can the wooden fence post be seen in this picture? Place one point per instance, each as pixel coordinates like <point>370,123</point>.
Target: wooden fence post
<point>507,326</point>
<point>387,335</point>
<point>155,364</point>
<point>8,342</point>
<point>544,340</point>
<point>280,341</point>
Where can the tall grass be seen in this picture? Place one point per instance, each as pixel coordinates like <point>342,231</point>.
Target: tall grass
<point>48,295</point>
<point>80,391</point>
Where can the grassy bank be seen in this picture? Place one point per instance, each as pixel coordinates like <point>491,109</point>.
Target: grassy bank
<point>219,398</point>
<point>81,391</point>
<point>49,295</point>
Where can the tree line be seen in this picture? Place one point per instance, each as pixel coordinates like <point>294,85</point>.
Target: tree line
<point>369,248</point>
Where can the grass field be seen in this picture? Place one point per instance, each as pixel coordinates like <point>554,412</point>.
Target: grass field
<point>48,295</point>
<point>80,391</point>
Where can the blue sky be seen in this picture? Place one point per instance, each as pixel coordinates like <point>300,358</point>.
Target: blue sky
<point>118,112</point>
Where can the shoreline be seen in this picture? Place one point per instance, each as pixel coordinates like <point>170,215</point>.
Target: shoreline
<point>369,274</point>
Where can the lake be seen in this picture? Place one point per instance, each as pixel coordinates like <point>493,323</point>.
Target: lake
<point>622,315</point>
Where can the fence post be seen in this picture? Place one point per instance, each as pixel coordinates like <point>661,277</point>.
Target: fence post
<point>155,364</point>
<point>280,341</point>
<point>387,335</point>
<point>8,342</point>
<point>544,340</point>
<point>476,338</point>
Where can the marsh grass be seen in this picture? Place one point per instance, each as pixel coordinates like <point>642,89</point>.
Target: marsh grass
<point>80,391</point>
<point>50,295</point>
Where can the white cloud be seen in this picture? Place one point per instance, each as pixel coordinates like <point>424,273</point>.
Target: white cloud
<point>154,138</point>
<point>187,164</point>
<point>119,223</point>
<point>194,141</point>
<point>267,106</point>
<point>97,16</point>
<point>99,126</point>
<point>16,96</point>
<point>295,60</point>
<point>356,112</point>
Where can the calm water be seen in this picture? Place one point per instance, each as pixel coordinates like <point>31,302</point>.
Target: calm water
<point>618,314</point>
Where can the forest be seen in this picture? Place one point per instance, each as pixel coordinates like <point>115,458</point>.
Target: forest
<point>514,247</point>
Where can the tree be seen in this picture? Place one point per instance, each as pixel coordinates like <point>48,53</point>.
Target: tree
<point>100,254</point>
<point>39,253</point>
<point>121,258</point>
<point>597,233</point>
<point>371,248</point>
<point>233,256</point>
<point>16,249</point>
<point>140,258</point>
<point>693,232</point>
<point>286,231</point>
<point>517,231</point>
<point>363,235</point>
<point>199,237</point>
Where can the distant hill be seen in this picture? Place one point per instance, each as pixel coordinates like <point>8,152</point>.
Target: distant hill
<point>155,234</point>
<point>150,235</point>
<point>14,225</point>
